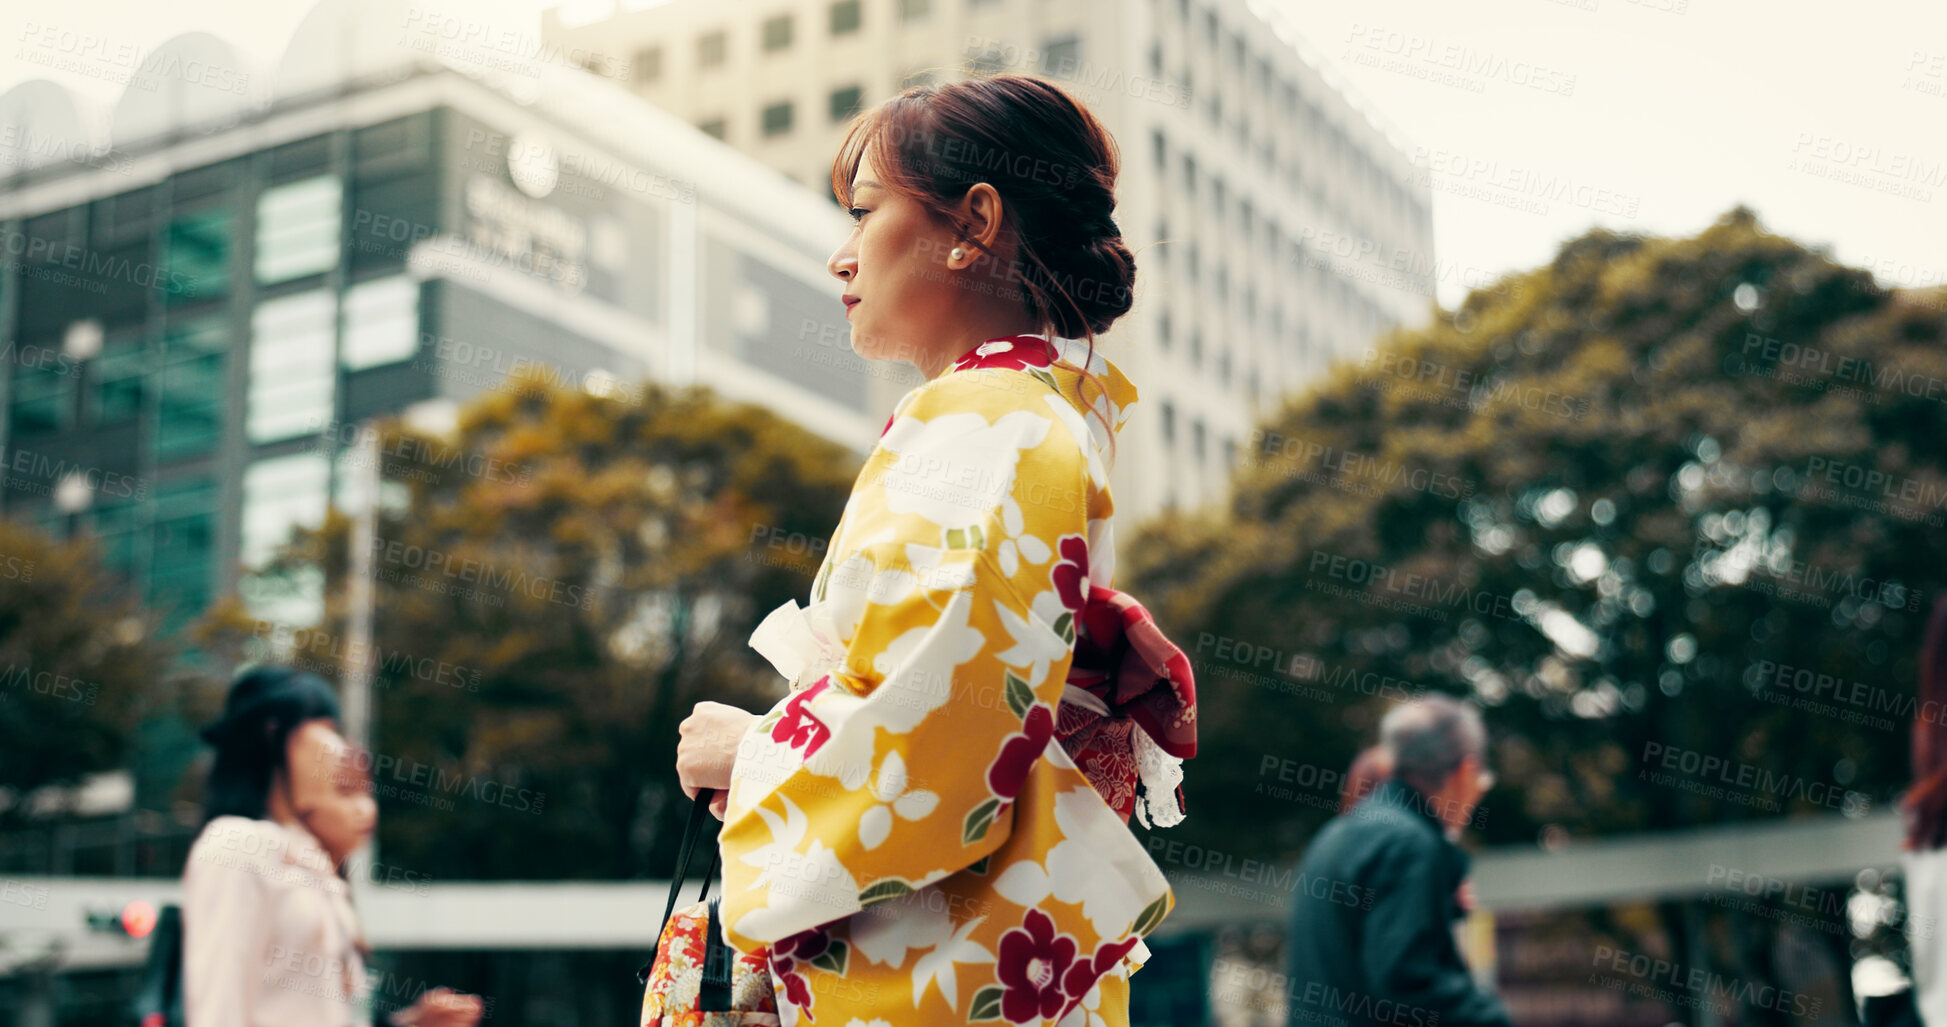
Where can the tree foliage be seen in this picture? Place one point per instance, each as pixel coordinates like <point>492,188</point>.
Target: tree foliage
<point>1635,501</point>
<point>557,586</point>
<point>81,663</point>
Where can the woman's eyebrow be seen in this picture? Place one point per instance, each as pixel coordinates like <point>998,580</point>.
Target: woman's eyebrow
<point>866,183</point>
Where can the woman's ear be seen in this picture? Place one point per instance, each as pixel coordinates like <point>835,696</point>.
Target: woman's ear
<point>983,214</point>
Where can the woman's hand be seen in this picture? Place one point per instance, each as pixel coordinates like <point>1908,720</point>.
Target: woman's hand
<point>440,1007</point>
<point>708,749</point>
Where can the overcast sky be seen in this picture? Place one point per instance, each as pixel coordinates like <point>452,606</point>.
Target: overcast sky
<point>1534,118</point>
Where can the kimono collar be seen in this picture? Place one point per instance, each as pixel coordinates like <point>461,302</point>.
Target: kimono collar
<point>1059,361</point>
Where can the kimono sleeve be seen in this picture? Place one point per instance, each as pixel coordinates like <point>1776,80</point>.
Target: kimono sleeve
<point>899,764</point>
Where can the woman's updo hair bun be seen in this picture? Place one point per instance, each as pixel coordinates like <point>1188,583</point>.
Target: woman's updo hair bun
<point>1052,163</point>
<point>1099,277</point>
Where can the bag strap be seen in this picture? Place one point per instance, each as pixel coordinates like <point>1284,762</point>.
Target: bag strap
<point>692,833</point>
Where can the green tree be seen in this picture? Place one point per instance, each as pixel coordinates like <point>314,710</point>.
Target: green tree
<point>1624,499</point>
<point>80,663</point>
<point>555,589</point>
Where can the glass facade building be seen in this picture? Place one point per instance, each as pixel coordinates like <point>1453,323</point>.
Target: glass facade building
<point>185,355</point>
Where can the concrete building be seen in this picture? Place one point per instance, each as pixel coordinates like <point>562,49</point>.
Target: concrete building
<point>1277,228</point>
<point>206,289</point>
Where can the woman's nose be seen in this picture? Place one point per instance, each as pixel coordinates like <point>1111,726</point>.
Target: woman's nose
<point>842,264</point>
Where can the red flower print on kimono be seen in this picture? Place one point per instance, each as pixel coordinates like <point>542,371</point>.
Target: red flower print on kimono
<point>1032,961</point>
<point>802,947</point>
<point>1020,750</point>
<point>799,727</point>
<point>1083,974</point>
<point>1014,352</point>
<point>1070,573</point>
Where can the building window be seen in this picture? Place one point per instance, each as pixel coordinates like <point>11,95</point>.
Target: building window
<point>42,399</point>
<point>1156,59</point>
<point>711,48</point>
<point>293,369</point>
<point>648,66</point>
<point>120,373</point>
<point>777,33</point>
<point>846,102</point>
<point>913,10</point>
<point>1160,149</point>
<point>1196,349</point>
<point>198,256</point>
<point>847,15</point>
<point>1197,434</point>
<point>116,527</point>
<point>777,118</point>
<point>190,388</point>
<point>1062,57</point>
<point>381,323</point>
<point>298,229</point>
<point>1163,330</point>
<point>1169,423</point>
<point>713,128</point>
<point>182,543</point>
<point>1189,176</point>
<point>281,493</point>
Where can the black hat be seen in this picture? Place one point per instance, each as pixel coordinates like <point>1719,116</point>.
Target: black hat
<point>267,694</point>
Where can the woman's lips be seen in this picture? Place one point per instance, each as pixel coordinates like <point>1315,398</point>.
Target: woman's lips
<point>849,304</point>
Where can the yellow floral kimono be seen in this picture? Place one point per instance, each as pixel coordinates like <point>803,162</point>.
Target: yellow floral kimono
<point>900,831</point>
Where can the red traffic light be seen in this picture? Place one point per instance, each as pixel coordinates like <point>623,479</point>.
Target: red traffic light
<point>138,919</point>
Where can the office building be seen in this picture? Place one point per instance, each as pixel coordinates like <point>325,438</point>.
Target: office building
<point>1276,227</point>
<point>202,298</point>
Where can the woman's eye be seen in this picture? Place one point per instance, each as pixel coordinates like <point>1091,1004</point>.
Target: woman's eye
<point>858,213</point>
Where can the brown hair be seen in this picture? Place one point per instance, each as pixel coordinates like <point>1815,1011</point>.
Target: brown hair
<point>1925,804</point>
<point>1052,163</point>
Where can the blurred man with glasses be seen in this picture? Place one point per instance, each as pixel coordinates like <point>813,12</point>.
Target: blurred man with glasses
<point>1371,940</point>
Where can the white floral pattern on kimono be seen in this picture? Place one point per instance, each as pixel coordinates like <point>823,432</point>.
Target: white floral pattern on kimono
<point>899,830</point>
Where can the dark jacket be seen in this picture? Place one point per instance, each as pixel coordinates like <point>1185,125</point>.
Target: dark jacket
<point>1371,940</point>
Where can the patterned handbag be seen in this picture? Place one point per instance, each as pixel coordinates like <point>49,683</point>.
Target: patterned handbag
<point>695,979</point>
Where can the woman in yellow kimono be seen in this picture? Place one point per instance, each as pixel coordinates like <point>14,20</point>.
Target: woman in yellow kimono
<point>898,830</point>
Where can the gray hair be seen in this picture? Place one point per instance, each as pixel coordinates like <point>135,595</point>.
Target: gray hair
<point>1428,738</point>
